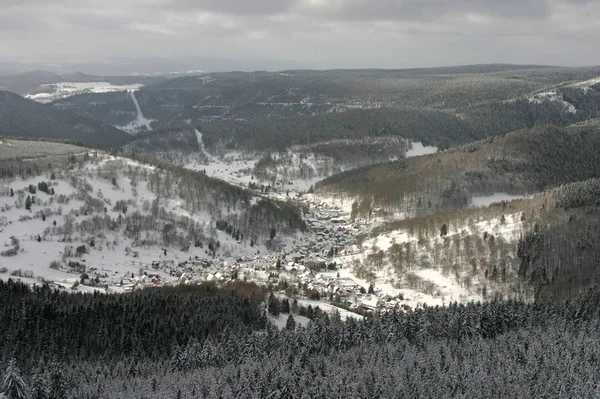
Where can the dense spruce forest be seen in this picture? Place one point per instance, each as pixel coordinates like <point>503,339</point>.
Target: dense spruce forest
<point>209,342</point>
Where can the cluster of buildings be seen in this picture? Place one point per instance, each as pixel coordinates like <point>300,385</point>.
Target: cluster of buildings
<point>309,266</point>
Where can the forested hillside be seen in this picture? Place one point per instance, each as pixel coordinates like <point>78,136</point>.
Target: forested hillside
<point>523,162</point>
<point>274,110</point>
<point>540,248</point>
<point>115,109</point>
<point>490,350</point>
<point>24,118</point>
<point>443,128</point>
<point>430,127</point>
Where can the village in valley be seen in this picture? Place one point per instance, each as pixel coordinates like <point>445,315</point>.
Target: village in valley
<point>315,270</point>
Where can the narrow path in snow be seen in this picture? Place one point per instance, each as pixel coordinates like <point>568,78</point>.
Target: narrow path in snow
<point>209,157</point>
<point>140,120</point>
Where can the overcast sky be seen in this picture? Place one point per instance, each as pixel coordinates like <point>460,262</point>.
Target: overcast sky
<point>307,33</point>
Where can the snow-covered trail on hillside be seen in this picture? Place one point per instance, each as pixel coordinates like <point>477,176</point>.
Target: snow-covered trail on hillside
<point>209,157</point>
<point>140,121</point>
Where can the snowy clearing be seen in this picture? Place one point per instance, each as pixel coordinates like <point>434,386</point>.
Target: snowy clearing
<point>56,91</point>
<point>418,149</point>
<point>281,320</point>
<point>487,200</point>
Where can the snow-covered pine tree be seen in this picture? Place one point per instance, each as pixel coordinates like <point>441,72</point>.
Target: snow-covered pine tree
<point>13,386</point>
<point>40,388</point>
<point>290,324</point>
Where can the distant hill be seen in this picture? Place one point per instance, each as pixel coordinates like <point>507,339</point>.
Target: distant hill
<point>30,82</point>
<point>20,117</point>
<point>270,110</point>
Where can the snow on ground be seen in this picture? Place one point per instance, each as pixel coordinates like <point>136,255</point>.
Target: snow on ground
<point>326,307</point>
<point>36,256</point>
<point>294,171</point>
<point>341,201</point>
<point>235,168</point>
<point>67,89</point>
<point>208,156</point>
<point>442,288</point>
<point>114,257</point>
<point>587,84</point>
<point>281,320</point>
<point>139,122</point>
<point>553,96</point>
<point>486,200</point>
<point>418,149</point>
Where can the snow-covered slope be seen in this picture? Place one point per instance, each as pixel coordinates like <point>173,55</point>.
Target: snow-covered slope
<point>114,223</point>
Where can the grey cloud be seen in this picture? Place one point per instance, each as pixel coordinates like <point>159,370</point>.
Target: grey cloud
<point>431,10</point>
<point>11,4</point>
<point>234,7</point>
<point>318,33</point>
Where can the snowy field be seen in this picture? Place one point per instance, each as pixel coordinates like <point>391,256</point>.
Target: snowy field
<point>281,320</point>
<point>60,90</point>
<point>487,200</point>
<point>418,149</point>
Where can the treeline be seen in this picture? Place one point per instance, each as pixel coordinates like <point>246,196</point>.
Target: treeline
<point>48,140</point>
<point>23,169</point>
<point>496,349</point>
<point>324,159</point>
